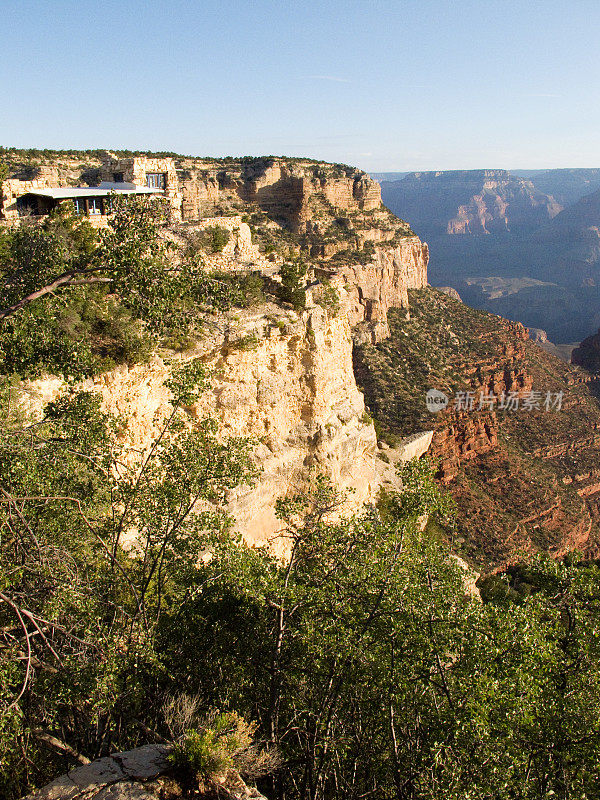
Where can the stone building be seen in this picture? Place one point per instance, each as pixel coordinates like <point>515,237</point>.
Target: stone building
<point>138,175</point>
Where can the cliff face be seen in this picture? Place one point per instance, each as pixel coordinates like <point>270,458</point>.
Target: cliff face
<point>281,188</point>
<point>284,378</point>
<point>292,392</point>
<point>383,283</point>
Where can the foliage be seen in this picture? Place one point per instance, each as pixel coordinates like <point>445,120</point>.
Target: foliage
<point>221,744</point>
<point>293,282</point>
<point>361,655</point>
<point>244,343</point>
<point>218,237</point>
<point>80,602</point>
<point>243,289</point>
<point>211,239</point>
<point>328,298</point>
<point>124,293</point>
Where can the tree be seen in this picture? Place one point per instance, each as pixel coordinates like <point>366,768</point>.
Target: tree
<point>95,552</point>
<point>78,301</point>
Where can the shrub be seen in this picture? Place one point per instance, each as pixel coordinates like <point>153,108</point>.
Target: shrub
<point>329,299</point>
<point>293,281</point>
<point>244,289</point>
<point>244,343</point>
<point>224,742</point>
<point>215,238</point>
<point>208,240</point>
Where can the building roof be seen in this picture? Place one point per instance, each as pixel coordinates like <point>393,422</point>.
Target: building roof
<point>105,188</point>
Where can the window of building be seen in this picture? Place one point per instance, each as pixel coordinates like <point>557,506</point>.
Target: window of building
<point>94,205</point>
<point>118,177</point>
<point>156,180</point>
<point>78,206</point>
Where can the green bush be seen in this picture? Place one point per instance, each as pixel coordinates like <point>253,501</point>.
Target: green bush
<point>208,240</point>
<point>293,281</point>
<point>222,744</point>
<point>244,343</point>
<point>244,289</point>
<point>215,238</point>
<point>329,299</point>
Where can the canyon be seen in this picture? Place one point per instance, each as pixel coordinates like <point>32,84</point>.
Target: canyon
<point>533,231</point>
<point>295,379</point>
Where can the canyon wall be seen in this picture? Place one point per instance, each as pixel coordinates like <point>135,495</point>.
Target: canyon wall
<point>282,377</point>
<point>282,188</point>
<point>292,391</point>
<point>383,283</point>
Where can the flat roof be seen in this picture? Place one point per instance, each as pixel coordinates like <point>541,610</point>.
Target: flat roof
<point>71,192</point>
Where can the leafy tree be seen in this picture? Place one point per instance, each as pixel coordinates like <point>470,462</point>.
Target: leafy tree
<point>81,596</point>
<point>78,301</point>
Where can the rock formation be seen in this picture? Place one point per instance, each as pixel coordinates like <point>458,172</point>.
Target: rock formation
<point>281,377</point>
<point>587,355</point>
<point>469,202</point>
<point>140,774</point>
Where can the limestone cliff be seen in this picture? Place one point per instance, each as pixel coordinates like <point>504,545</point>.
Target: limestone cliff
<point>283,378</point>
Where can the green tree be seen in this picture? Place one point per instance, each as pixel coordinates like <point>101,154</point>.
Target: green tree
<point>95,552</point>
<point>293,283</point>
<point>78,301</point>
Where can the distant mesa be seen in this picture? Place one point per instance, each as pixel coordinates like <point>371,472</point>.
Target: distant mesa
<point>523,244</point>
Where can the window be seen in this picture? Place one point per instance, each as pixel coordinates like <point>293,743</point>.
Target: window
<point>118,177</point>
<point>78,206</point>
<point>156,180</point>
<point>94,206</point>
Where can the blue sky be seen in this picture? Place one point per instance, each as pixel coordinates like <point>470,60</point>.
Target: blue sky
<point>423,84</point>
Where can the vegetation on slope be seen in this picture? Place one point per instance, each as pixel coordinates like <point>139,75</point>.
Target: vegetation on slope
<point>361,657</point>
<point>77,301</point>
<point>451,347</point>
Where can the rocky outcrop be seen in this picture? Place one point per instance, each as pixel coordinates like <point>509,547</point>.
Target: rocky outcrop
<point>383,283</point>
<point>281,187</point>
<point>141,774</point>
<point>450,291</point>
<point>587,354</point>
<point>470,202</point>
<point>463,438</point>
<point>285,380</point>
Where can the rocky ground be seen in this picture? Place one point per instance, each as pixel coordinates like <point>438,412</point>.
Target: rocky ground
<point>141,774</point>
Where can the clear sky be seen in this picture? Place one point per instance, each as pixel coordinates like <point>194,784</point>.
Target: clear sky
<point>383,84</point>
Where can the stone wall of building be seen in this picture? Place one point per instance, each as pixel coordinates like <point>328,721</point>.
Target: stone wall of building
<point>135,169</point>
<point>13,188</point>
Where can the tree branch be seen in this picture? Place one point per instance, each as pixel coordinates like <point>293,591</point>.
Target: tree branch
<point>66,279</point>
